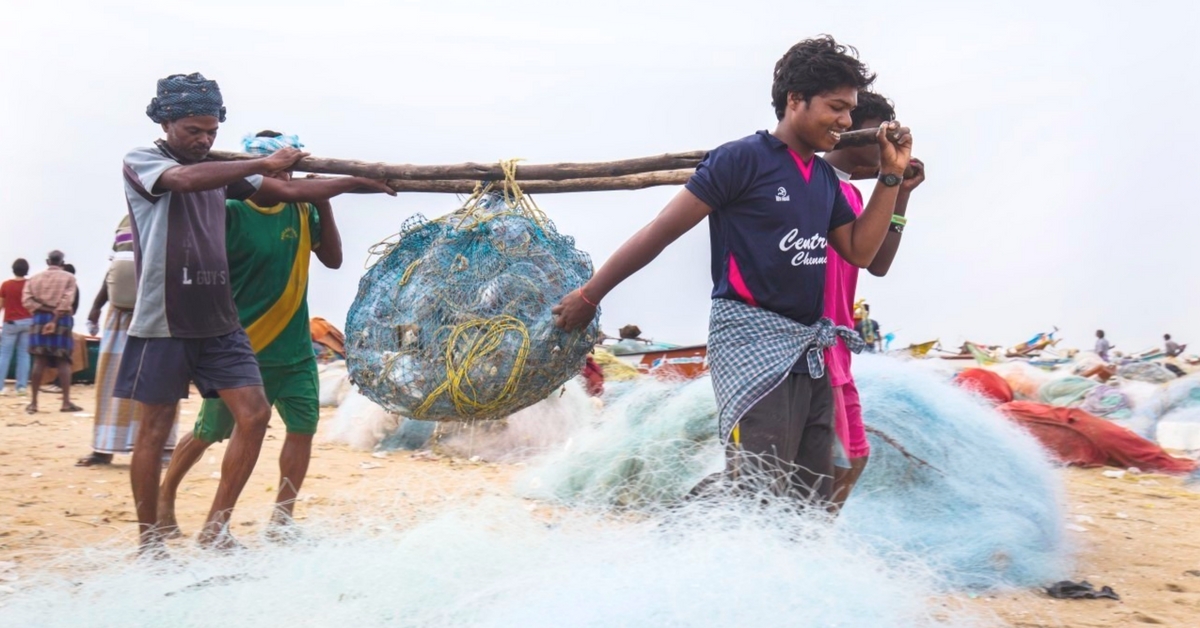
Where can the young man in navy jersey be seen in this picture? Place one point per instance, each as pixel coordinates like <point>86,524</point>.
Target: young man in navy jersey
<point>773,207</point>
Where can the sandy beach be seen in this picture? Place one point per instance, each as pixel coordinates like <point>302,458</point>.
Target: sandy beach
<point>1137,534</point>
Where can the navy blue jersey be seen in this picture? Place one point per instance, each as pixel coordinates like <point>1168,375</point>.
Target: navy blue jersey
<point>770,220</point>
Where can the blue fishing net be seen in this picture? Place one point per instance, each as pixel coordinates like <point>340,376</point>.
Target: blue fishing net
<point>949,479</point>
<point>453,321</point>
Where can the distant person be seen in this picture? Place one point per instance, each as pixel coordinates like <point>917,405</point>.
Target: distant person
<point>18,327</point>
<point>70,268</point>
<point>114,429</point>
<point>631,341</point>
<point>269,249</point>
<point>868,329</point>
<point>1173,349</point>
<point>49,295</point>
<point>48,383</point>
<point>1103,346</point>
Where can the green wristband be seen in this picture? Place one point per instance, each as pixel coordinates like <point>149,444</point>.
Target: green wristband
<point>899,220</point>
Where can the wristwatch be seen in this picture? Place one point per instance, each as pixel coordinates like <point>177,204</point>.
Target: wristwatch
<point>890,180</point>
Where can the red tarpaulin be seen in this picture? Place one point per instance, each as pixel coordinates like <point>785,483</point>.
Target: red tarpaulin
<point>988,384</point>
<point>1078,438</point>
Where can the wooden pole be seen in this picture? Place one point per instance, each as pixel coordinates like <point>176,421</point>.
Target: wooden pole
<point>487,172</point>
<point>595,184</point>
<point>531,172</point>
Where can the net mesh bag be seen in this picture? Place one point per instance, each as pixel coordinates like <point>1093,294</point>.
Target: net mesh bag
<point>453,320</point>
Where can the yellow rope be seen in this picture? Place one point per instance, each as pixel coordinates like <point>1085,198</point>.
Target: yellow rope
<point>468,344</point>
<point>409,271</point>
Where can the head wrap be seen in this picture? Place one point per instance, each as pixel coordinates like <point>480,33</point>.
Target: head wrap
<point>267,145</point>
<point>184,96</point>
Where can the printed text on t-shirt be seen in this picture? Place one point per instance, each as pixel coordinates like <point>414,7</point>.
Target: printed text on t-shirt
<point>807,248</point>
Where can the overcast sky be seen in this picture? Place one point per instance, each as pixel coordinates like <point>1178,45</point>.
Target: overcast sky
<point>1058,136</point>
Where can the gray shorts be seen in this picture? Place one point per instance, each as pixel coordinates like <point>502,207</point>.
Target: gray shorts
<point>785,442</point>
<point>158,370</point>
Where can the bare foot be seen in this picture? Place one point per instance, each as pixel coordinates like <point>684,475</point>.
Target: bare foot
<point>283,530</point>
<point>152,550</point>
<point>219,540</point>
<point>167,527</point>
<point>169,531</point>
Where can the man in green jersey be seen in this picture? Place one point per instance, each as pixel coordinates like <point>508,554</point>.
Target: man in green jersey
<point>269,250</point>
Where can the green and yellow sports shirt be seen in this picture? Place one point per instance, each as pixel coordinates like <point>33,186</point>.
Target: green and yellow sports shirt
<point>269,250</point>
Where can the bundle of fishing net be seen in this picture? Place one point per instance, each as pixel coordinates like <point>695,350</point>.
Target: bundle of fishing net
<point>1179,394</point>
<point>453,321</point>
<point>361,423</point>
<point>949,480</point>
<point>1152,372</point>
<point>614,369</point>
<point>652,445</point>
<point>1171,416</point>
<point>1107,401</point>
<point>1067,391</point>
<point>954,481</point>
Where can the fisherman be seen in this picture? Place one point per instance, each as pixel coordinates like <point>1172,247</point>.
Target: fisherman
<point>852,449</point>
<point>1103,346</point>
<point>51,296</point>
<point>185,328</point>
<point>773,207</point>
<point>269,250</point>
<point>1173,349</point>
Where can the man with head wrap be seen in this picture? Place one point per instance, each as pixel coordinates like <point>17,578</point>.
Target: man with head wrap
<point>269,250</point>
<point>185,328</point>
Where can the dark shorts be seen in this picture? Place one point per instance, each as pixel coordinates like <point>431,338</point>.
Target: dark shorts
<point>294,391</point>
<point>158,370</point>
<point>785,442</point>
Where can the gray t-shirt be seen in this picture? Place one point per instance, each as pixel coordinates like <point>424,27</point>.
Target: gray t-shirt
<point>179,245</point>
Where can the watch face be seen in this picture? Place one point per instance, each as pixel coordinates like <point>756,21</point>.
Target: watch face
<point>890,180</point>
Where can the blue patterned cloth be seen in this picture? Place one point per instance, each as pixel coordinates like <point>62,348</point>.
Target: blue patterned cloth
<point>186,95</point>
<point>267,145</point>
<point>751,351</point>
<point>59,344</point>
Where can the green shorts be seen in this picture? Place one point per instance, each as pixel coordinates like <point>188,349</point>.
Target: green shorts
<point>293,390</point>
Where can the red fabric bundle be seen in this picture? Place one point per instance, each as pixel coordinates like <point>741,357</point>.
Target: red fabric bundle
<point>987,384</point>
<point>1078,438</point>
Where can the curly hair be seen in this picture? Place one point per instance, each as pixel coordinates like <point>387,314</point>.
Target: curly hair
<point>815,66</point>
<point>872,106</point>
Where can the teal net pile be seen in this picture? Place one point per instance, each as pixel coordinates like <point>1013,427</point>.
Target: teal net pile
<point>453,321</point>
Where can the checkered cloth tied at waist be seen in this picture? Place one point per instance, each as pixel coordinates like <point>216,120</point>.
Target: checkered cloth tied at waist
<point>751,351</point>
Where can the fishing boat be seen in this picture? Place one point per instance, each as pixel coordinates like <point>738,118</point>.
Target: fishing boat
<point>673,363</point>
